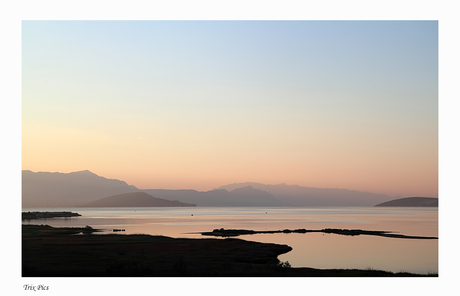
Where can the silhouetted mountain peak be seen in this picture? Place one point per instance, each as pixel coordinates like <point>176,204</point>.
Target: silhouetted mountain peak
<point>84,173</point>
<point>50,189</point>
<point>248,189</point>
<point>295,195</point>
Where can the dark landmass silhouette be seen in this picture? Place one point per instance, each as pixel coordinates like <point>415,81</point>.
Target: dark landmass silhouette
<point>135,199</point>
<point>411,202</point>
<point>57,252</point>
<point>352,232</point>
<point>44,189</point>
<point>47,215</point>
<point>46,230</point>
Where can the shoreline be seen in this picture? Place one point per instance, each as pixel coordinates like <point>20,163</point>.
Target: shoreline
<point>47,215</point>
<point>75,252</point>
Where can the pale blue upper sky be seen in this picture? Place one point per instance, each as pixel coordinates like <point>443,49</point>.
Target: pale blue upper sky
<point>325,65</point>
<point>340,85</point>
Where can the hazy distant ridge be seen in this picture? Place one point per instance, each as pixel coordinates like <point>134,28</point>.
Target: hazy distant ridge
<point>44,189</point>
<point>241,197</point>
<point>256,194</point>
<point>295,195</point>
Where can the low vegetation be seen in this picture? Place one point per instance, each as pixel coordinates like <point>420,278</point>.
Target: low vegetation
<point>64,252</point>
<point>47,215</point>
<point>352,232</point>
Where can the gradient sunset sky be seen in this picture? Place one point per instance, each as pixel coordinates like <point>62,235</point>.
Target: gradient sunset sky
<point>200,104</point>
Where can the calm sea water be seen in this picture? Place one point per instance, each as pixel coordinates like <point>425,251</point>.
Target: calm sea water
<point>315,250</point>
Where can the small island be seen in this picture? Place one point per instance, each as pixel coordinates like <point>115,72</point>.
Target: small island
<point>47,215</point>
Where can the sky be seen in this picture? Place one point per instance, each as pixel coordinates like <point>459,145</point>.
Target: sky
<point>200,104</point>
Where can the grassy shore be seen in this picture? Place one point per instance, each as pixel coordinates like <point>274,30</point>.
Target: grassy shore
<point>77,252</point>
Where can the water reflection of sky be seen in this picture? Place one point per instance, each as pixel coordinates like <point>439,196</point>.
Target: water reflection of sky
<point>311,249</point>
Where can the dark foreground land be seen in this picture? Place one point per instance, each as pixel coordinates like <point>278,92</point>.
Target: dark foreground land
<point>77,252</point>
<point>47,215</point>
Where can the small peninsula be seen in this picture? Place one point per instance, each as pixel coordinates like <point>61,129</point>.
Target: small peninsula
<point>47,215</point>
<point>351,232</point>
<point>411,202</point>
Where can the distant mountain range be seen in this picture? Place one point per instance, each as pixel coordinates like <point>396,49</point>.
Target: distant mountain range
<point>45,189</point>
<point>295,195</point>
<point>240,197</point>
<point>411,202</point>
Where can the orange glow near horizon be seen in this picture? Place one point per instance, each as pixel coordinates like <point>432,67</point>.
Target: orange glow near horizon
<point>316,104</point>
<point>208,165</point>
<point>204,166</point>
<point>150,169</point>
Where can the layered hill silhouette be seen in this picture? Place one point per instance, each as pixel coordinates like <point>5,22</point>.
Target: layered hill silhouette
<point>45,189</point>
<point>411,202</point>
<point>135,199</point>
<point>295,195</point>
<point>241,197</point>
